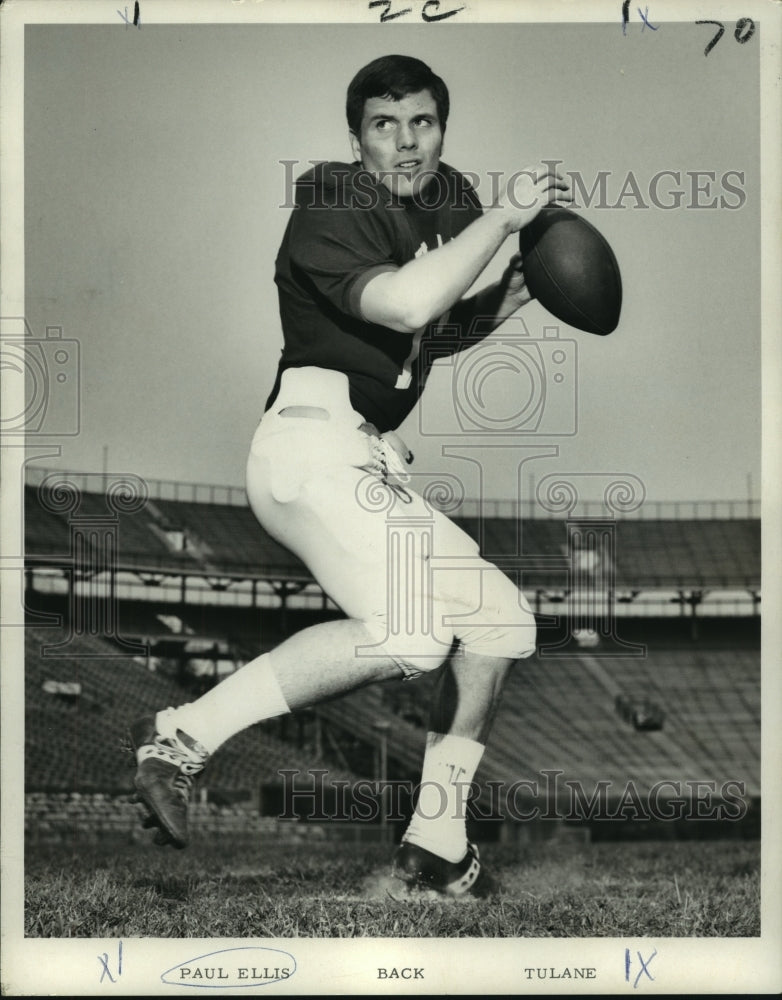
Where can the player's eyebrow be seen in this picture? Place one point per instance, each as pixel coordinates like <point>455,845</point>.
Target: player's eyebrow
<point>395,118</point>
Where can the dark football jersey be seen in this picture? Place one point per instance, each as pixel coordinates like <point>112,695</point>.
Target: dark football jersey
<point>345,229</point>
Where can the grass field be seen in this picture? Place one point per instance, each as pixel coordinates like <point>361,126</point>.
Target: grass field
<point>560,889</point>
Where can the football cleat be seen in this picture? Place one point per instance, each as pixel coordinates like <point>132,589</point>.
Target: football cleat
<point>420,869</point>
<point>164,777</point>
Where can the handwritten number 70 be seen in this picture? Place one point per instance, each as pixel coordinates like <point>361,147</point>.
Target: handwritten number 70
<point>745,29</point>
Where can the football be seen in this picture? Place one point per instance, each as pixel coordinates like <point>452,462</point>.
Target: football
<point>571,270</point>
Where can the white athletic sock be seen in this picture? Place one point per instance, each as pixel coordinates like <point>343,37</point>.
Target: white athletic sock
<point>439,821</point>
<point>250,695</point>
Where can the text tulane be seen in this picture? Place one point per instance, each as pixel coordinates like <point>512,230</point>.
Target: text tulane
<point>563,973</point>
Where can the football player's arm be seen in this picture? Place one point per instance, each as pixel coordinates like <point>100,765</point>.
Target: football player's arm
<point>420,291</point>
<point>474,318</point>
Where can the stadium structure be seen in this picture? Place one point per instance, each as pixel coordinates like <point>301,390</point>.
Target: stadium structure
<point>645,687</point>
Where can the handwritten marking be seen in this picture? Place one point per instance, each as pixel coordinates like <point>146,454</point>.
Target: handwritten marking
<point>239,968</point>
<point>437,17</point>
<point>645,19</point>
<point>744,24</point>
<point>745,29</point>
<point>716,38</point>
<point>387,15</point>
<point>429,5</point>
<point>136,16</point>
<point>104,961</point>
<point>643,14</point>
<point>644,967</point>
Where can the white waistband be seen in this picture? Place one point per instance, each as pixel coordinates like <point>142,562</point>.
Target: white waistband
<point>311,386</point>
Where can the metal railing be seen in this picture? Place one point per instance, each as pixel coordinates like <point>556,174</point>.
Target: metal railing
<point>158,489</point>
<point>662,600</point>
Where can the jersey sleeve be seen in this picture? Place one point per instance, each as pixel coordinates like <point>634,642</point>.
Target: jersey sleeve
<point>338,249</point>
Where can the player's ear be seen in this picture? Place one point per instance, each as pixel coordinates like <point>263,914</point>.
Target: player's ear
<point>355,145</point>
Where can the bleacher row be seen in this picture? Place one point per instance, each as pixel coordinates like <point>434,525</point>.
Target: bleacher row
<point>560,713</point>
<point>214,536</point>
<point>75,742</point>
<point>556,712</point>
<point>207,537</point>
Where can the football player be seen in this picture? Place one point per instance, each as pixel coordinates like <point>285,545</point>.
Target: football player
<point>378,254</point>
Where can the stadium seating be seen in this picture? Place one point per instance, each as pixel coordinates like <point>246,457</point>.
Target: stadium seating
<point>358,715</point>
<point>46,534</point>
<point>229,537</point>
<point>226,538</point>
<point>558,712</point>
<point>705,553</point>
<point>49,533</point>
<point>74,742</point>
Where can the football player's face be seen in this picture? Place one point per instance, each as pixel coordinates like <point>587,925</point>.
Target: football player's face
<point>400,141</point>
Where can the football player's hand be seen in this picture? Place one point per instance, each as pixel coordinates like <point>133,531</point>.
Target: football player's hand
<point>527,191</point>
<point>514,282</point>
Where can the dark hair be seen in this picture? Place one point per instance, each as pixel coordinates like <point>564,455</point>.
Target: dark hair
<point>394,77</point>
